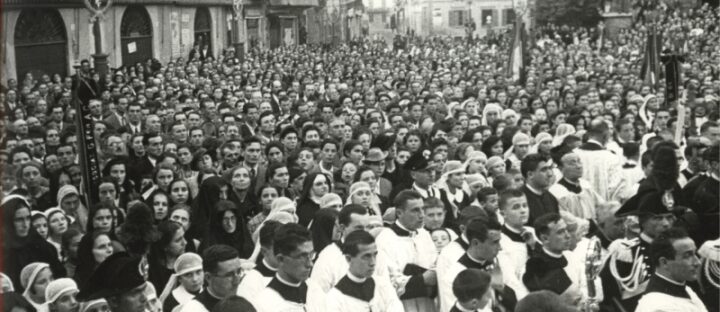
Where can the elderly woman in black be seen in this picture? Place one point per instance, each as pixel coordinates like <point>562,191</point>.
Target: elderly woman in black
<point>226,227</point>
<point>212,190</point>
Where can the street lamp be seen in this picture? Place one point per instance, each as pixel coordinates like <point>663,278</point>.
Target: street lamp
<point>239,17</point>
<point>98,8</point>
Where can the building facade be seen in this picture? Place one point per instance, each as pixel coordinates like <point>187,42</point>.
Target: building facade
<point>50,36</point>
<point>450,17</point>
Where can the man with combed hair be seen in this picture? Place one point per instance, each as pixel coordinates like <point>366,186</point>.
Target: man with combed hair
<point>410,254</point>
<point>482,254</point>
<point>331,264</point>
<point>517,240</point>
<point>358,290</point>
<point>676,262</point>
<point>575,194</point>
<point>288,290</point>
<point>223,273</point>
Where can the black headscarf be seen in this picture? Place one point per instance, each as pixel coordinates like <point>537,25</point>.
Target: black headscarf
<point>322,228</point>
<point>20,251</point>
<point>215,234</point>
<point>85,260</point>
<point>204,204</point>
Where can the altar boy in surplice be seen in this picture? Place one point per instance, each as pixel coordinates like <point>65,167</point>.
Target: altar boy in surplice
<point>410,254</point>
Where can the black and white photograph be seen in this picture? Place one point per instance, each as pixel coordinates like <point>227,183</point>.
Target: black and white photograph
<point>360,156</point>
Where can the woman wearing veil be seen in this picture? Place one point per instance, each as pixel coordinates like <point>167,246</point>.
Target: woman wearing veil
<point>22,245</point>
<point>315,186</point>
<point>212,190</point>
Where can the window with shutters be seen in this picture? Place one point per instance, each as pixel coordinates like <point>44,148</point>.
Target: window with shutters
<point>458,18</point>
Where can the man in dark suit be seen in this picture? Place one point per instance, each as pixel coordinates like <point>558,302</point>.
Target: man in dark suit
<point>538,173</point>
<point>116,119</point>
<point>146,164</point>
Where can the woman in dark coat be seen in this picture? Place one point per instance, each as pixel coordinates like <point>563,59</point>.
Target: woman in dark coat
<point>227,227</point>
<point>316,185</point>
<point>22,245</point>
<point>212,190</point>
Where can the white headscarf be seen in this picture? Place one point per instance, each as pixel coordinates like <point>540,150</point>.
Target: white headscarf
<point>542,136</point>
<point>490,107</point>
<point>562,131</point>
<point>185,263</point>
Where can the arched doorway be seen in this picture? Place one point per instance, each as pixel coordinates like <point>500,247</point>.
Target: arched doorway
<point>203,30</point>
<point>40,43</point>
<point>136,35</point>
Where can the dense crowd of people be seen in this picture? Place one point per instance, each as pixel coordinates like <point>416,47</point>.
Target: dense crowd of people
<point>421,178</point>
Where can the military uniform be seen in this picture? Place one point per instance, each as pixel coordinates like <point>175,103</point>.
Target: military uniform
<point>628,259</point>
<point>708,285</point>
<point>628,269</point>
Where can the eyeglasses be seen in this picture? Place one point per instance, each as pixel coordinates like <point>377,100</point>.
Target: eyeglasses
<point>237,273</point>
<point>305,257</point>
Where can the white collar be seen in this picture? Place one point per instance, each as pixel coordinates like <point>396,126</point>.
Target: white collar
<point>268,265</point>
<point>571,182</point>
<point>669,279</point>
<point>462,309</point>
<point>403,227</point>
<point>512,229</point>
<point>251,167</point>
<point>551,254</point>
<point>418,188</point>
<point>286,282</point>
<point>476,260</point>
<point>532,189</point>
<point>595,142</point>
<point>646,238</point>
<point>356,279</point>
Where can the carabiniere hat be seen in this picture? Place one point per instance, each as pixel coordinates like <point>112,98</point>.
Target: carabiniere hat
<point>652,202</point>
<point>115,276</point>
<point>418,162</point>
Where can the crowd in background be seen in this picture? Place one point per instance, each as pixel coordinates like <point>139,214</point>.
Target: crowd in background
<point>217,151</point>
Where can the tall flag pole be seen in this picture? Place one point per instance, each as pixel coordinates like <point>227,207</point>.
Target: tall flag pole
<point>650,72</point>
<point>518,44</point>
<point>87,149</point>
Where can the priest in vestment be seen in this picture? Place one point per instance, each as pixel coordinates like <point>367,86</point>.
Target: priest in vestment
<point>575,195</point>
<point>601,167</point>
